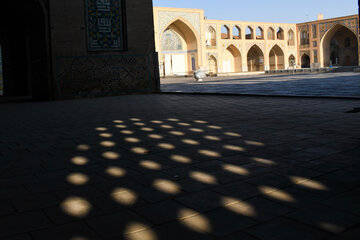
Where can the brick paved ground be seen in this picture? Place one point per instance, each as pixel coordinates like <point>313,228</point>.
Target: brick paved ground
<point>167,167</point>
<point>325,84</point>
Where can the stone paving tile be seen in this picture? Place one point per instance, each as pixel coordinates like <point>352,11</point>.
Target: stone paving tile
<point>19,237</point>
<point>325,218</point>
<point>348,235</point>
<point>118,224</point>
<point>240,190</point>
<point>79,166</point>
<point>285,229</point>
<point>22,223</point>
<point>222,222</point>
<point>69,231</point>
<point>349,201</point>
<point>160,212</point>
<point>201,201</point>
<point>35,202</point>
<point>181,231</point>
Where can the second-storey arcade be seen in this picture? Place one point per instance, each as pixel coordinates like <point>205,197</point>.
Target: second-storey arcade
<point>186,41</point>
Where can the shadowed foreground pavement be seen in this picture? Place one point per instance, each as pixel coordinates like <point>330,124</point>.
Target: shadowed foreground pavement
<point>168,167</point>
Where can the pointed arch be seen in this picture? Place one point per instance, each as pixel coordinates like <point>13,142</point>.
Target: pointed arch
<point>249,33</point>
<point>213,65</point>
<point>185,62</point>
<point>232,59</point>
<point>333,50</point>
<point>255,59</point>
<point>280,33</point>
<point>210,37</point>
<point>259,33</point>
<point>225,32</point>
<point>291,38</point>
<point>305,61</point>
<point>271,34</point>
<point>276,58</point>
<point>292,60</point>
<point>236,32</point>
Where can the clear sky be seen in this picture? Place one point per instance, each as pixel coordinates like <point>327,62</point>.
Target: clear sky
<point>283,11</point>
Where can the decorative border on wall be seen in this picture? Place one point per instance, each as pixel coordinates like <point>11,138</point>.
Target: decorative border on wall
<point>351,23</point>
<point>281,45</point>
<point>105,25</point>
<point>84,76</point>
<point>166,17</point>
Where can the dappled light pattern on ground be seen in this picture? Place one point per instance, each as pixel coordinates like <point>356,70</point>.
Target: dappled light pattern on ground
<point>181,168</point>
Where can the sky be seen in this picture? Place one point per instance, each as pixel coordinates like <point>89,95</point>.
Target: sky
<point>282,11</point>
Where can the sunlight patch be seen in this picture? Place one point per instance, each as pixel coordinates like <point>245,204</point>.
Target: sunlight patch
<point>150,165</point>
<point>238,206</point>
<point>107,144</point>
<point>236,169</point>
<point>309,183</point>
<point>83,147</point>
<point>277,194</point>
<point>124,196</point>
<point>180,158</point>
<point>155,136</point>
<point>111,155</point>
<point>209,153</point>
<point>166,186</point>
<point>79,160</point>
<point>116,172</point>
<point>77,179</point>
<point>190,142</point>
<point>139,150</point>
<point>203,177</point>
<point>76,207</point>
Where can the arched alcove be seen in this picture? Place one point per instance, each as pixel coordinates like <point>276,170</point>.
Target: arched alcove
<point>225,32</point>
<point>210,37</point>
<point>236,32</point>
<point>232,60</point>
<point>276,58</point>
<point>255,59</point>
<point>259,33</point>
<point>305,61</point>
<point>271,34</point>
<point>291,38</point>
<point>292,61</point>
<point>25,49</point>
<point>249,33</point>
<point>179,49</point>
<point>339,46</point>
<point>213,66</point>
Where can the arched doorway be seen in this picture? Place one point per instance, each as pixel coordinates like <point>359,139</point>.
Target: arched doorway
<point>232,60</point>
<point>339,47</point>
<point>211,37</point>
<point>179,48</point>
<point>25,46</point>
<point>213,67</point>
<point>305,61</point>
<point>292,61</point>
<point>255,59</point>
<point>276,58</point>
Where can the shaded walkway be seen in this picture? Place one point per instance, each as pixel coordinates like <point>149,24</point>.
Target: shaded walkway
<point>160,167</point>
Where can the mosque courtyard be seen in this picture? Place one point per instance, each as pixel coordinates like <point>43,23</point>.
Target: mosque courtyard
<point>344,84</point>
<point>173,166</point>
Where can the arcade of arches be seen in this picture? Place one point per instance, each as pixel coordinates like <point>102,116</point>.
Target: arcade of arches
<point>231,47</point>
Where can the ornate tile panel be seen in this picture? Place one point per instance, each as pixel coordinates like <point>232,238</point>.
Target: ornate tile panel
<point>105,25</point>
